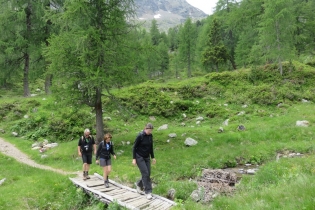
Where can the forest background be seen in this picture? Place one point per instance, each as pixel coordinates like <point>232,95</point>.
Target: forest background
<point>93,54</point>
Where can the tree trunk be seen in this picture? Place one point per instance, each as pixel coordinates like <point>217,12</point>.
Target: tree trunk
<point>189,70</point>
<point>25,76</point>
<point>99,116</point>
<point>279,47</point>
<point>48,83</point>
<point>28,12</point>
<point>232,62</point>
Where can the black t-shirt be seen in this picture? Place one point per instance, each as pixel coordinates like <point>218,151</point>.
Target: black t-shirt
<point>86,144</point>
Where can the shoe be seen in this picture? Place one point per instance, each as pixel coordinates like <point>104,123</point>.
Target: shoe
<point>139,189</point>
<point>87,175</point>
<point>149,196</point>
<point>106,184</point>
<point>84,175</point>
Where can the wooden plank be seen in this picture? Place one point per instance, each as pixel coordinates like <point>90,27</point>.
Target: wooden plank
<point>139,202</point>
<point>117,184</point>
<point>116,191</point>
<point>145,205</point>
<point>155,204</point>
<point>94,183</point>
<point>133,200</point>
<point>129,199</point>
<point>104,195</point>
<point>125,195</point>
<point>163,206</point>
<point>106,190</point>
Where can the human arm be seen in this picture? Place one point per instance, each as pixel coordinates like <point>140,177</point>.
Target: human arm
<point>98,151</point>
<point>135,145</point>
<point>79,151</point>
<point>112,151</point>
<point>94,149</point>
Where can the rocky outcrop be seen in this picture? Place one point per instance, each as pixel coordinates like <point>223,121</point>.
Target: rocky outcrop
<point>168,13</point>
<point>178,7</point>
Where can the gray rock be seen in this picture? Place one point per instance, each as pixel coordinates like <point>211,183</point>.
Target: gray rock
<point>241,128</point>
<point>163,127</point>
<point>172,135</point>
<point>2,180</point>
<point>302,123</point>
<point>171,194</point>
<point>190,142</point>
<point>199,119</point>
<point>152,118</point>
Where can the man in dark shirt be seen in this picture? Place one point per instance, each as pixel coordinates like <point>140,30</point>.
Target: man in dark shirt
<point>142,151</point>
<point>86,146</point>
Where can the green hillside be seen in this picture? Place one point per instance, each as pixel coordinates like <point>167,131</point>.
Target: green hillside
<point>264,102</point>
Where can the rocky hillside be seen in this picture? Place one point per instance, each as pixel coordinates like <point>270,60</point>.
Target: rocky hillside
<point>168,13</point>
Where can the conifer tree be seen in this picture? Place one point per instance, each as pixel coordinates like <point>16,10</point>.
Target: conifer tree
<point>276,31</point>
<point>215,52</point>
<point>187,43</point>
<point>91,54</point>
<point>21,37</point>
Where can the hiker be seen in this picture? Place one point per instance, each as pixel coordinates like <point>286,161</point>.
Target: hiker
<point>86,146</point>
<point>142,150</point>
<point>103,156</point>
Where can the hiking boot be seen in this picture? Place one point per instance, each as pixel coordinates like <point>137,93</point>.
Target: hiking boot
<point>107,184</point>
<point>149,196</point>
<point>84,175</point>
<point>139,190</point>
<point>87,175</point>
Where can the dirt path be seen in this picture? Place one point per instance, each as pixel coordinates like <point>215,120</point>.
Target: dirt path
<point>10,150</point>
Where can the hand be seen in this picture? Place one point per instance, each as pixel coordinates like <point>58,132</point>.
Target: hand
<point>97,162</point>
<point>134,162</point>
<point>80,154</point>
<point>153,161</point>
<point>115,157</point>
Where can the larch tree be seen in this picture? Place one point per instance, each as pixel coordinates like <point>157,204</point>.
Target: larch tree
<point>276,31</point>
<point>226,14</point>
<point>187,44</point>
<point>20,39</point>
<point>155,33</point>
<point>91,53</point>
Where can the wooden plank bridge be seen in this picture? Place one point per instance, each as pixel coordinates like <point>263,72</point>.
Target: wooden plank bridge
<point>123,195</point>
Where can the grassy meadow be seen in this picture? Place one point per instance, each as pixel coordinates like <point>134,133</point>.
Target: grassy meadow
<point>273,105</point>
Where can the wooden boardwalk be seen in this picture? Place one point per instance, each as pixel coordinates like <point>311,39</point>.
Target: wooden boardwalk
<point>123,195</point>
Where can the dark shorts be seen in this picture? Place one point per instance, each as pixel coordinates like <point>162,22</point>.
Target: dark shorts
<point>87,158</point>
<point>104,162</point>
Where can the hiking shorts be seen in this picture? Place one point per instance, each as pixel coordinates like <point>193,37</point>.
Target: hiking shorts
<point>105,162</point>
<point>87,158</point>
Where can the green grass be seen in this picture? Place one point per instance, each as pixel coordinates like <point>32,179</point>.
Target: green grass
<point>26,187</point>
<point>176,163</point>
<point>286,184</point>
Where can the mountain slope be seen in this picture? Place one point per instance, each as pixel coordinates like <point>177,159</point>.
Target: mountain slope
<point>168,13</point>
